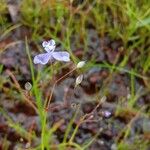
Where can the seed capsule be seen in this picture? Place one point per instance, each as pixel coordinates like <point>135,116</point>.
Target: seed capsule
<point>79,80</point>
<point>28,86</point>
<point>80,64</point>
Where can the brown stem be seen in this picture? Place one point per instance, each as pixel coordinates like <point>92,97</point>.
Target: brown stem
<point>20,90</point>
<point>49,99</point>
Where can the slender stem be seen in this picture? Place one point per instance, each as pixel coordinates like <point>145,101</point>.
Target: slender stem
<point>49,99</point>
<point>85,118</point>
<point>43,131</point>
<point>65,75</point>
<point>25,96</point>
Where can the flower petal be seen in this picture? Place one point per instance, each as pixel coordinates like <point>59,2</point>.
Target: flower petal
<point>45,43</point>
<point>51,42</point>
<point>49,46</point>
<point>42,58</point>
<point>61,56</point>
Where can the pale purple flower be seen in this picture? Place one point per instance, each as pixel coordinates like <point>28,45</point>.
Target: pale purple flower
<point>50,55</point>
<point>106,113</point>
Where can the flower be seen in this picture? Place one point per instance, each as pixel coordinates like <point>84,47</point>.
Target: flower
<point>50,55</point>
<point>106,113</point>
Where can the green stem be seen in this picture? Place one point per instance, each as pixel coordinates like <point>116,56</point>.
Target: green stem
<point>43,130</point>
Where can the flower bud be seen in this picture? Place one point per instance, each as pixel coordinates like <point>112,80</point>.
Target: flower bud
<point>80,64</point>
<point>79,80</point>
<point>28,86</point>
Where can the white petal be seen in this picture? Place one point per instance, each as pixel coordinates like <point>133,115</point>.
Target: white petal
<point>45,43</point>
<point>51,42</point>
<point>50,48</point>
<point>42,58</point>
<point>61,56</point>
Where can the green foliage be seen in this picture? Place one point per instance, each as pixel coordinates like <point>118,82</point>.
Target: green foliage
<point>3,14</point>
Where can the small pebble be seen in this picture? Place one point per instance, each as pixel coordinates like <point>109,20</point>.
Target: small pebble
<point>101,129</point>
<point>91,117</point>
<point>101,142</point>
<point>73,106</point>
<point>21,139</point>
<point>27,145</point>
<point>113,147</point>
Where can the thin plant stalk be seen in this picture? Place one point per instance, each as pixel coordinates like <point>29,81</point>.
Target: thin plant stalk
<point>49,99</point>
<point>20,90</point>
